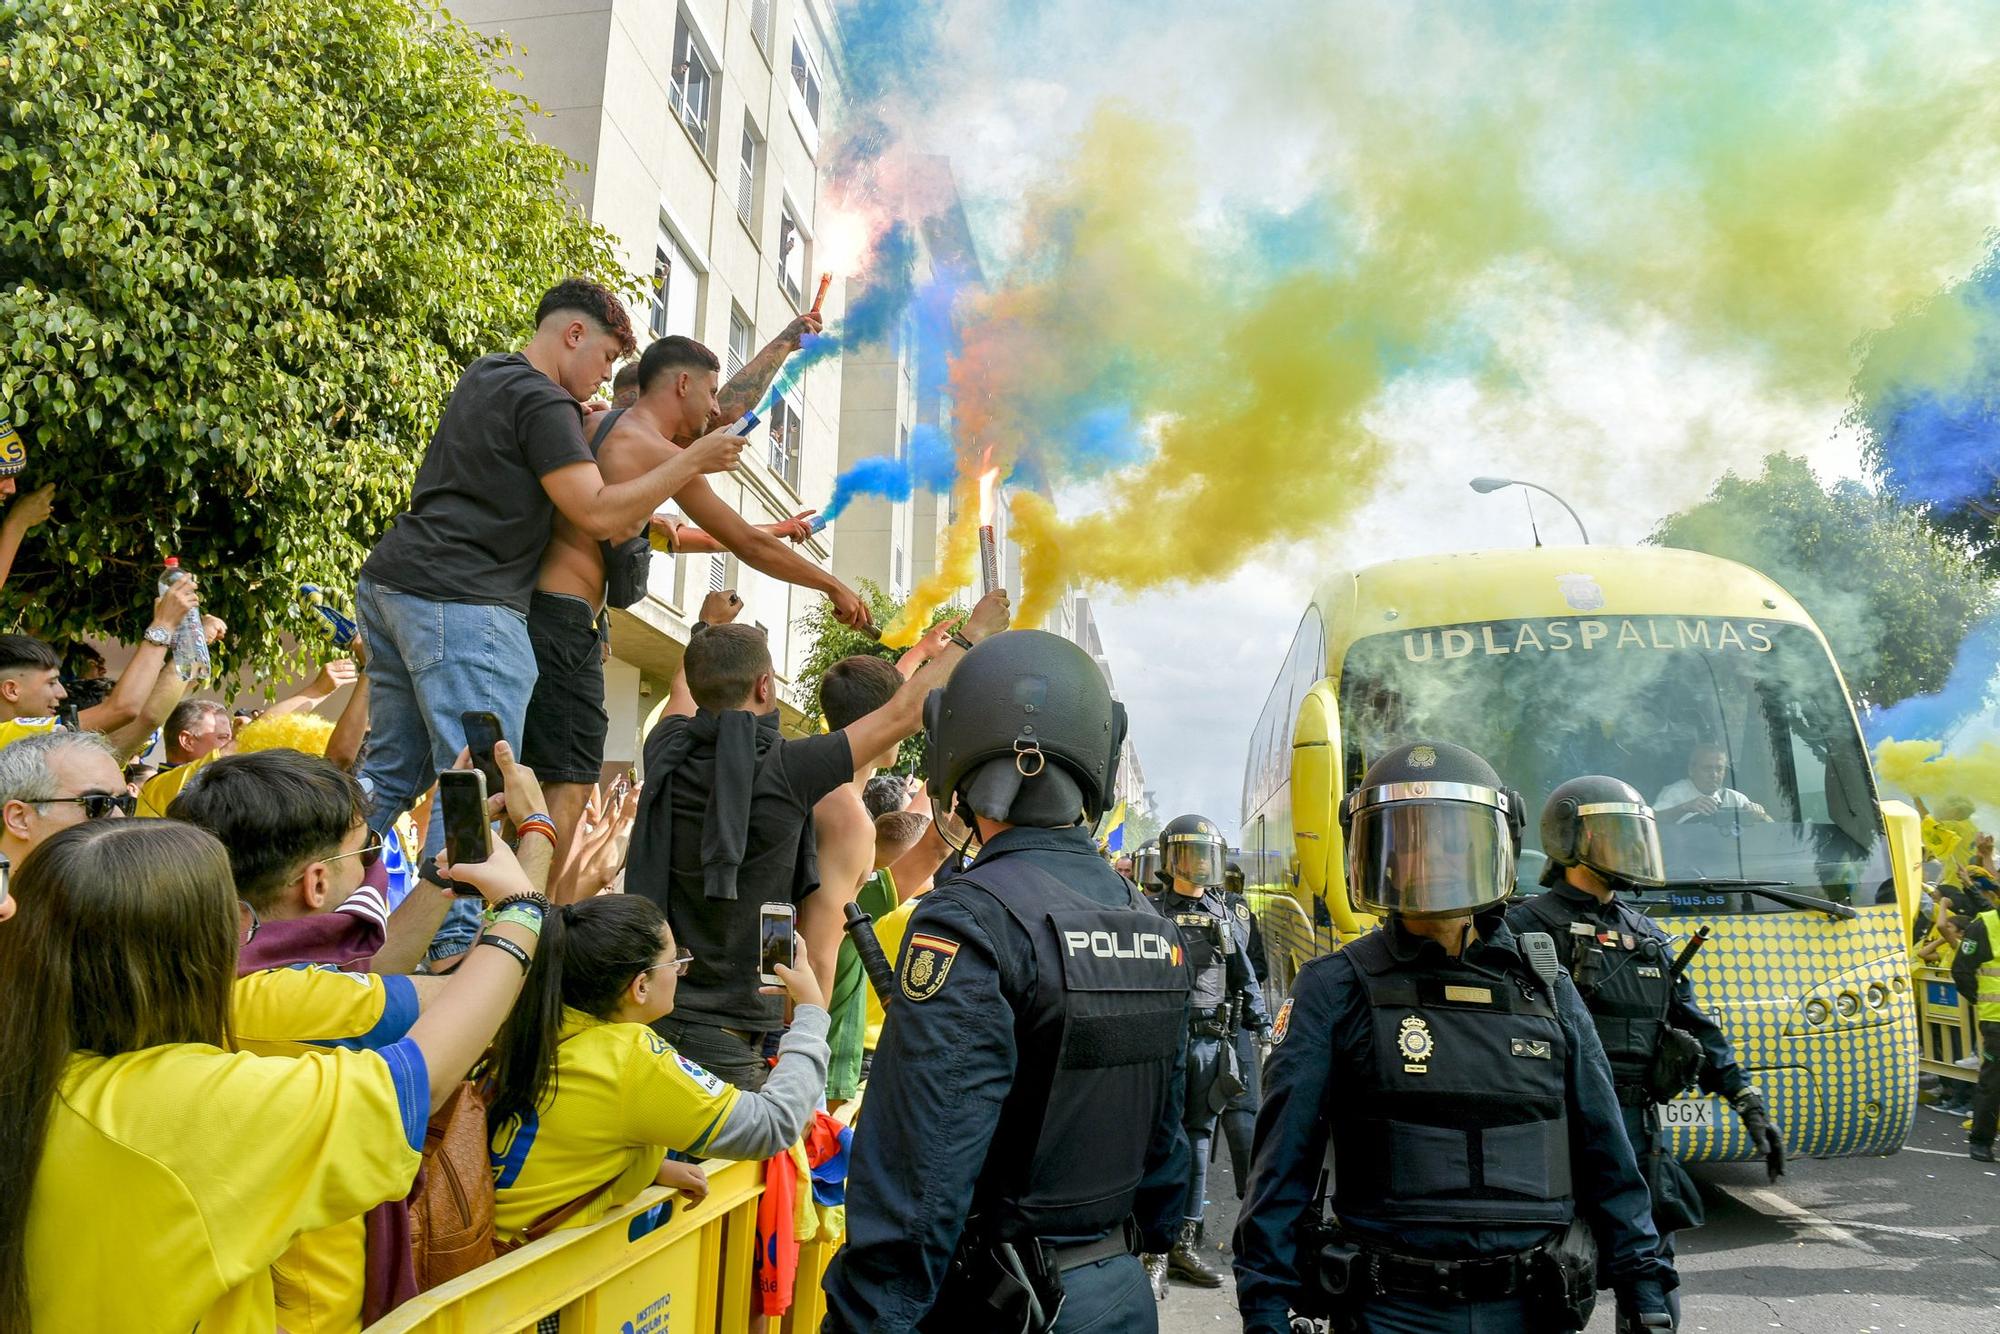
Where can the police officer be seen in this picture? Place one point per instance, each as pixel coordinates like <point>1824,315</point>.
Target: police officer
<point>1976,970</point>
<point>1192,852</point>
<point>1023,1136</point>
<point>1600,837</point>
<point>1443,1074</point>
<point>1239,1117</point>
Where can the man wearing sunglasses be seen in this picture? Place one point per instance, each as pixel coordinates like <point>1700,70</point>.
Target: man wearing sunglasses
<point>301,851</point>
<point>52,781</point>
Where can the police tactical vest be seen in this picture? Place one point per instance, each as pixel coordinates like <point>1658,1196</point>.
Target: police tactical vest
<point>1625,979</point>
<point>1199,924</point>
<point>1097,1040</point>
<point>1460,1116</point>
<point>1986,1005</point>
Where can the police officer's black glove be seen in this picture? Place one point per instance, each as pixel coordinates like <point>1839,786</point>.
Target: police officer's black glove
<point>1749,1105</point>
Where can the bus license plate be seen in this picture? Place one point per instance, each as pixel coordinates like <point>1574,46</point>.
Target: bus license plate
<point>1694,1113</point>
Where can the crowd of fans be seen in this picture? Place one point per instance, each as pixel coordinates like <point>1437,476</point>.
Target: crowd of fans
<point>234,1016</point>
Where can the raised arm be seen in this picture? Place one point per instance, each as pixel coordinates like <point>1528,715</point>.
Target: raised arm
<point>904,713</point>
<point>139,686</point>
<point>613,511</point>
<point>22,515</point>
<point>746,388</point>
<point>766,552</point>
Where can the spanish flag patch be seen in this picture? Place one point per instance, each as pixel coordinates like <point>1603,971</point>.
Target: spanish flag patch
<point>926,962</point>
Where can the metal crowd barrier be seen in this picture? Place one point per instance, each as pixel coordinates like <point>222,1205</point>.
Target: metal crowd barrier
<point>655,1266</point>
<point>1949,1032</point>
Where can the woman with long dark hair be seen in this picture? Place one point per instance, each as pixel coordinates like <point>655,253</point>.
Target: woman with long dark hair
<point>148,1174</point>
<point>588,1099</point>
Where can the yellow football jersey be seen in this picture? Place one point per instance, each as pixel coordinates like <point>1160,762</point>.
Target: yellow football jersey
<point>174,1176</point>
<point>277,1010</point>
<point>622,1098</point>
<point>890,931</point>
<point>15,728</point>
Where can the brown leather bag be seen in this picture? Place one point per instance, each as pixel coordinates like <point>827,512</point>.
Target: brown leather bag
<point>451,1205</point>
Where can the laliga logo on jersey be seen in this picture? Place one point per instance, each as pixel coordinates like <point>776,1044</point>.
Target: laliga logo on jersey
<point>1139,945</point>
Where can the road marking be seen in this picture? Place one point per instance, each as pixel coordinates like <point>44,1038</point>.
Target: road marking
<point>1942,1153</point>
<point>1780,1207</point>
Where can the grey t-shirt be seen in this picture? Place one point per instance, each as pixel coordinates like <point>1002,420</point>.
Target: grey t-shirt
<point>478,516</point>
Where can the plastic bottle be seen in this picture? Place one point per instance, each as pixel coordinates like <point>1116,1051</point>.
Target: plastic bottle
<point>190,642</point>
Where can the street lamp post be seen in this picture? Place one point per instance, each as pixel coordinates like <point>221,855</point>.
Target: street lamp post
<point>1487,485</point>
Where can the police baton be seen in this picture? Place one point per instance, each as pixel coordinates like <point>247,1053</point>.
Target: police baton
<point>860,929</point>
<point>1688,951</point>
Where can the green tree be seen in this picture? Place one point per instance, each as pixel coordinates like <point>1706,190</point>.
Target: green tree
<point>831,641</point>
<point>1893,595</point>
<point>248,246</point>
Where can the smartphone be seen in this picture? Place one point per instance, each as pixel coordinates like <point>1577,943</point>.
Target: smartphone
<point>620,786</point>
<point>467,832</point>
<point>744,424</point>
<point>6,874</point>
<point>67,716</point>
<point>482,733</point>
<point>777,942</point>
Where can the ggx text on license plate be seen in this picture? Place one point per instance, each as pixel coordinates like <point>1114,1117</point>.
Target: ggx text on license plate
<point>1698,1113</point>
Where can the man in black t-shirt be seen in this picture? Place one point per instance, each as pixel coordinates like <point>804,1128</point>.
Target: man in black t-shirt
<point>725,823</point>
<point>443,598</point>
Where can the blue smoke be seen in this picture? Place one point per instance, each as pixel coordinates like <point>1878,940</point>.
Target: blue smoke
<point>871,317</point>
<point>1965,692</point>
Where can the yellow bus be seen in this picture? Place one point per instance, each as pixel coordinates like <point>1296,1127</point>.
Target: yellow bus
<point>1640,663</point>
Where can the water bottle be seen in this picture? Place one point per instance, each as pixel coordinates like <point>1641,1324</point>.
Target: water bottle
<point>190,642</point>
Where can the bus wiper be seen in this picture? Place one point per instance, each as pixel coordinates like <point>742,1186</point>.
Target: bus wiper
<point>1780,890</point>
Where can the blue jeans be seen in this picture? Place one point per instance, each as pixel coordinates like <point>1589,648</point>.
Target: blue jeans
<point>1109,1297</point>
<point>429,662</point>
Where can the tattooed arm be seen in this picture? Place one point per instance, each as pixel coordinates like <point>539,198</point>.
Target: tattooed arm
<point>747,387</point>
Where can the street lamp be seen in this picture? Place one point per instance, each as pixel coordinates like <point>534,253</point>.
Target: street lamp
<point>1487,485</point>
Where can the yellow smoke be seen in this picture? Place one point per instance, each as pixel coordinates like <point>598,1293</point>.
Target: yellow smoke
<point>1033,524</point>
<point>1922,769</point>
<point>956,564</point>
<point>1767,188</point>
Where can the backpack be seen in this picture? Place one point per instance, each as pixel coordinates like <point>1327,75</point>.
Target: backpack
<point>451,1205</point>
<point>627,564</point>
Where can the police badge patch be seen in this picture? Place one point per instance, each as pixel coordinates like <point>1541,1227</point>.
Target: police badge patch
<point>925,964</point>
<point>1282,1024</point>
<point>1242,912</point>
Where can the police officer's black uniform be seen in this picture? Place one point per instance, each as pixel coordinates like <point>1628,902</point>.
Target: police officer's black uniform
<point>1022,1139</point>
<point>1656,1038</point>
<point>1461,1104</point>
<point>1224,997</point>
<point>1239,1117</point>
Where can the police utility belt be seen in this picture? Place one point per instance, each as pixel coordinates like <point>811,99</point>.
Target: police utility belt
<point>1210,1021</point>
<point>1016,1287</point>
<point>1557,1279</point>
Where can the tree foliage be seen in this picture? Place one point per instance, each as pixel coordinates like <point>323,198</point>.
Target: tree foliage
<point>1893,595</point>
<point>248,246</point>
<point>832,641</point>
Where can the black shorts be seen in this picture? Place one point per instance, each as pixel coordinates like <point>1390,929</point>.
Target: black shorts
<point>563,740</point>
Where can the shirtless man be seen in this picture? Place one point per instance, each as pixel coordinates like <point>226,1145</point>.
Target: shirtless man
<point>563,740</point>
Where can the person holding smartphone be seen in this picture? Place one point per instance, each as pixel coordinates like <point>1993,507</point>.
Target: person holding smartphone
<point>588,1100</point>
<point>725,825</point>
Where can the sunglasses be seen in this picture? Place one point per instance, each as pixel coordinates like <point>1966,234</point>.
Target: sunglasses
<point>369,853</point>
<point>97,805</point>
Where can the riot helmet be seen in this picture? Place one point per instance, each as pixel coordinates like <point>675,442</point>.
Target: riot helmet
<point>1192,849</point>
<point>1232,878</point>
<point>1430,833</point>
<point>1602,823</point>
<point>1026,731</point>
<point>1146,867</point>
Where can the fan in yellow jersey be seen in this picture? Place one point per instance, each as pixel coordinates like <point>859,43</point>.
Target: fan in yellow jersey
<point>912,875</point>
<point>149,1176</point>
<point>286,1011</point>
<point>588,1099</point>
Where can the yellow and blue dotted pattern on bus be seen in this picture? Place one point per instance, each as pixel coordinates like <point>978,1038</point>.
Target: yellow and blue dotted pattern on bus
<point>1822,1014</point>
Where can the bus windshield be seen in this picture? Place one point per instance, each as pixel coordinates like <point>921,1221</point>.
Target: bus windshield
<point>1736,731</point>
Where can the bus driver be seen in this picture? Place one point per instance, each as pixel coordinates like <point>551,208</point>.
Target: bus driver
<point>1702,792</point>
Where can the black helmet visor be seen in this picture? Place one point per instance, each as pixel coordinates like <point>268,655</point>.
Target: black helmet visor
<point>1429,849</point>
<point>1621,839</point>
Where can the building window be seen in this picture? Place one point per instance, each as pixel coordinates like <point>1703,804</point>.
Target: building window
<point>787,438</point>
<point>760,23</point>
<point>693,89</point>
<point>718,569</point>
<point>791,255</point>
<point>805,76</point>
<point>746,175</point>
<point>739,345</point>
<point>902,442</point>
<point>675,288</point>
<point>896,569</point>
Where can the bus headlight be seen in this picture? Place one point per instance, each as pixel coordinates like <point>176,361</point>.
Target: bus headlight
<point>1876,996</point>
<point>1848,1004</point>
<point>1817,1012</point>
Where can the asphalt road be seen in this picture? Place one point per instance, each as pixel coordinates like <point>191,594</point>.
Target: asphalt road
<point>1910,1241</point>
